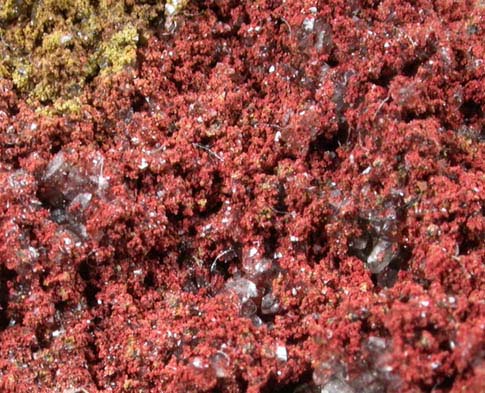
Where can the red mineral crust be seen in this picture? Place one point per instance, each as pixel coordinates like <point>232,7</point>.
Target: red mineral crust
<point>282,196</point>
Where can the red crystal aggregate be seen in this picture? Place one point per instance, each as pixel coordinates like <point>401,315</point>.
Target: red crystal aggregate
<point>216,219</point>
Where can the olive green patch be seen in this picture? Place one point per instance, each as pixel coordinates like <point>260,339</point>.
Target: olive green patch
<point>51,49</point>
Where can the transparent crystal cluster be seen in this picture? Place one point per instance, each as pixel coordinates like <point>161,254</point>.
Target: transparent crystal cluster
<point>254,286</point>
<point>67,190</point>
<point>314,35</point>
<point>379,246</point>
<point>375,375</point>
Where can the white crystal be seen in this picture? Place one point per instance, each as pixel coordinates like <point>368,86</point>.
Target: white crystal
<point>269,304</point>
<point>380,256</point>
<point>325,372</point>
<point>435,365</point>
<point>252,252</point>
<point>359,243</point>
<point>34,254</point>
<point>376,343</point>
<point>169,9</point>
<point>244,288</point>
<point>248,309</point>
<point>257,322</point>
<point>308,24</point>
<point>98,172</point>
<point>281,353</point>
<point>220,364</point>
<point>173,7</point>
<point>82,199</point>
<point>57,333</point>
<point>277,136</point>
<point>336,386</point>
<point>66,38</point>
<point>262,266</point>
<point>199,363</point>
<point>143,164</point>
<point>253,264</point>
<point>424,303</point>
<point>54,165</point>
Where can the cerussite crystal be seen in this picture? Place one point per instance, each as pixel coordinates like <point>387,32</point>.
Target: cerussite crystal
<point>380,256</point>
<point>245,289</point>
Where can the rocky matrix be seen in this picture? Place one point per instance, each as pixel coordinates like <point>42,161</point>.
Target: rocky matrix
<point>242,196</point>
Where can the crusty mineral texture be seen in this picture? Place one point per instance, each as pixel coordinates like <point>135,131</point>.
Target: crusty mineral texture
<point>242,196</point>
<point>52,49</point>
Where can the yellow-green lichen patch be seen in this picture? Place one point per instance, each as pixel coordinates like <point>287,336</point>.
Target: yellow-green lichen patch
<point>51,49</point>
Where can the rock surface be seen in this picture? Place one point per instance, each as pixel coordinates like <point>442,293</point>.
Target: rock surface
<point>277,197</point>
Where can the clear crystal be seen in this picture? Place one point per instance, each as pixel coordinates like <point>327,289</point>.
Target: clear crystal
<point>269,304</point>
<point>380,256</point>
<point>257,321</point>
<point>220,364</point>
<point>82,200</point>
<point>254,263</point>
<point>62,182</point>
<point>359,243</point>
<point>376,344</point>
<point>248,309</point>
<point>244,288</point>
<point>336,385</point>
<point>281,353</point>
<point>199,363</point>
<point>55,165</point>
<point>324,371</point>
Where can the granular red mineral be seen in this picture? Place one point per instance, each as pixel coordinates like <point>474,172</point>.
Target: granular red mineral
<point>282,196</point>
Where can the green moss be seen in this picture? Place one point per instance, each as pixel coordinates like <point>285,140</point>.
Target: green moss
<point>51,49</point>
